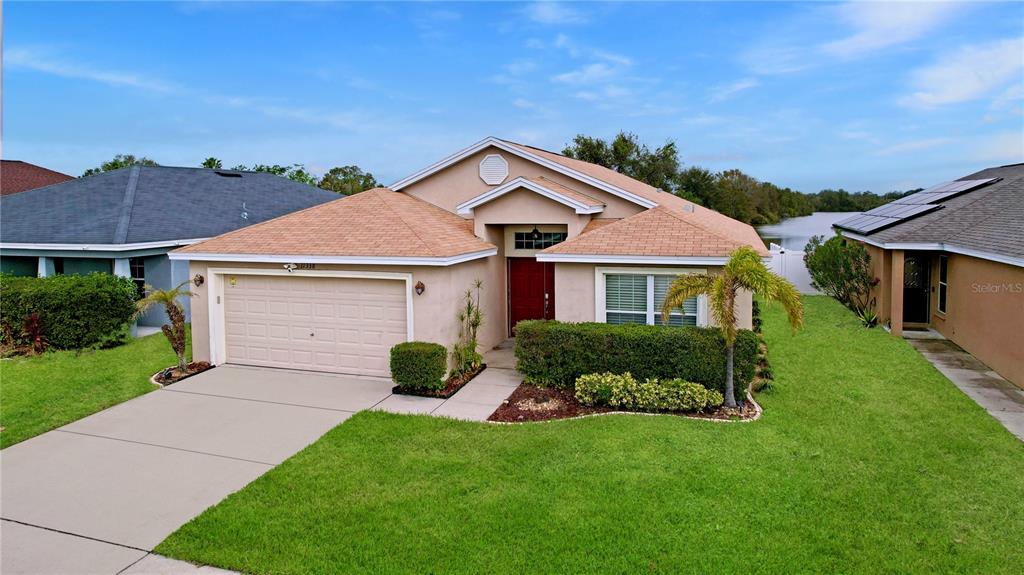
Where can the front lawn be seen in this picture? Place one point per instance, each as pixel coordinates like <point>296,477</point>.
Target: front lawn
<point>41,393</point>
<point>866,460</point>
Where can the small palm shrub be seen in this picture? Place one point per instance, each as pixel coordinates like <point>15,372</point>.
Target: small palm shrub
<point>625,392</point>
<point>465,358</point>
<point>175,332</point>
<point>419,365</point>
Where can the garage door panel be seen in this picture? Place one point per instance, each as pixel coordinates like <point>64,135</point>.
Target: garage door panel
<point>353,322</point>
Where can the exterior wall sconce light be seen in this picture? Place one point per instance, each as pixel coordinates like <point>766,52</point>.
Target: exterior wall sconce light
<point>535,234</point>
<point>198,280</point>
<point>420,288</point>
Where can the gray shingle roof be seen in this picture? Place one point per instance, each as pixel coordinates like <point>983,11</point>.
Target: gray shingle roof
<point>988,219</point>
<point>165,203</point>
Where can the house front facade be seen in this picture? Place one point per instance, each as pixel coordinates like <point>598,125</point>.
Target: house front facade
<point>951,259</point>
<point>125,221</point>
<point>332,288</point>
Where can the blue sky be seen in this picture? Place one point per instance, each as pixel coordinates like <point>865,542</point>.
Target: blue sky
<point>861,95</point>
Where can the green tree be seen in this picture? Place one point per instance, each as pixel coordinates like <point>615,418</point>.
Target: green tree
<point>120,161</point>
<point>696,184</point>
<point>175,332</point>
<point>743,271</point>
<point>625,154</point>
<point>213,163</point>
<point>841,268</point>
<point>348,180</point>
<point>296,172</point>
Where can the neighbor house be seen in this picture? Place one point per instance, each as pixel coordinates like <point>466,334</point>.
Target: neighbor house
<point>951,259</point>
<point>17,176</point>
<point>125,221</point>
<point>332,288</point>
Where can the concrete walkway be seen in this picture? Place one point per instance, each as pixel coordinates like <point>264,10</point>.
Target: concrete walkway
<point>97,495</point>
<point>1003,400</point>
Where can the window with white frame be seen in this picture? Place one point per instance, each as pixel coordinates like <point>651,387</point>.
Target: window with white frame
<point>943,282</point>
<point>638,297</point>
<point>137,269</point>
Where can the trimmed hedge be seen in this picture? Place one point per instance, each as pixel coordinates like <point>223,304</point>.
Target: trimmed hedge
<point>553,353</point>
<point>652,395</point>
<point>419,365</point>
<point>75,311</point>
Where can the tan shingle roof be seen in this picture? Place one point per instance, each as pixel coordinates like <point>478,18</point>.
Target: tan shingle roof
<point>659,231</point>
<point>376,222</point>
<point>719,225</point>
<point>567,192</point>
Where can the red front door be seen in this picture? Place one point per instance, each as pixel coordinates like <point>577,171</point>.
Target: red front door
<point>531,290</point>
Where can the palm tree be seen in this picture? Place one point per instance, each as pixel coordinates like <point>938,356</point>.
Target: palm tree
<point>175,333</point>
<point>743,271</point>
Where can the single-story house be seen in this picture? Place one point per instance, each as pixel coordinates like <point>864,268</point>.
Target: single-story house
<point>951,259</point>
<point>17,176</point>
<point>125,221</point>
<point>332,288</point>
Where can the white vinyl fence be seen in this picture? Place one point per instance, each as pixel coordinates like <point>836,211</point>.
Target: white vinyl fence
<point>790,265</point>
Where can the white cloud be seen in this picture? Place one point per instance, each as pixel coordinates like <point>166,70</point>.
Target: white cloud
<point>727,91</point>
<point>1001,147</point>
<point>41,60</point>
<point>589,74</point>
<point>969,73</point>
<point>553,13</point>
<point>879,25</point>
<point>912,146</point>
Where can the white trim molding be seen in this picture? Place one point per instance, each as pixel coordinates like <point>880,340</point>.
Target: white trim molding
<point>937,247</point>
<point>466,208</point>
<point>102,247</point>
<point>516,151</point>
<point>600,303</point>
<point>616,259</point>
<point>215,298</point>
<point>356,260</point>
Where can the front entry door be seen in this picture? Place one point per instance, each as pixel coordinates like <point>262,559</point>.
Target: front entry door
<point>915,289</point>
<point>531,290</point>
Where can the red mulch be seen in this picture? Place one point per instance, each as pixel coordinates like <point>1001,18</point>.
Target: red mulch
<point>532,403</point>
<point>173,375</point>
<point>453,385</point>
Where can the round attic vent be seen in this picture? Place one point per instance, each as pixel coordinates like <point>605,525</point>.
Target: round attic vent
<point>493,169</point>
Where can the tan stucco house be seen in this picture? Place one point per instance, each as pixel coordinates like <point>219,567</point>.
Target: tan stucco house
<point>951,259</point>
<point>333,287</point>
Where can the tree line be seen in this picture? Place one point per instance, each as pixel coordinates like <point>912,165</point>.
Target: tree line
<point>731,192</point>
<point>346,180</point>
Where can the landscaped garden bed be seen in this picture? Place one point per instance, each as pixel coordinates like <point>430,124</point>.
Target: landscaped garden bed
<point>172,374</point>
<point>451,386</point>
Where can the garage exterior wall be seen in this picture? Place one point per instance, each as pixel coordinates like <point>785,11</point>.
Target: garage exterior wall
<point>434,312</point>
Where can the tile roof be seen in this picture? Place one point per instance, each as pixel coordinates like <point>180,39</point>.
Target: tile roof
<point>374,223</point>
<point>660,231</point>
<point>150,203</point>
<point>988,219</point>
<point>17,176</point>
<point>567,192</point>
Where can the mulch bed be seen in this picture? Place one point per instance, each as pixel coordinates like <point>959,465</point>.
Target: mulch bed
<point>451,387</point>
<point>532,403</point>
<point>173,375</point>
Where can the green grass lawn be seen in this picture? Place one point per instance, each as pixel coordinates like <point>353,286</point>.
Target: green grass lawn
<point>866,460</point>
<point>41,393</point>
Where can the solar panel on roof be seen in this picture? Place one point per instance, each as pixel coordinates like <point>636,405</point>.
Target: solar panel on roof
<point>883,217</point>
<point>942,191</point>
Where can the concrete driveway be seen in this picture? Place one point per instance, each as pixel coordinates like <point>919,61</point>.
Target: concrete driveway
<point>96,495</point>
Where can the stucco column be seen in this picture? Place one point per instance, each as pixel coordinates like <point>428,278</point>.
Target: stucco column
<point>896,293</point>
<point>121,268</point>
<point>45,269</point>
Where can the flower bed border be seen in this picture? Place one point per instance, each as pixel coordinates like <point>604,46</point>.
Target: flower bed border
<point>451,387</point>
<point>154,381</point>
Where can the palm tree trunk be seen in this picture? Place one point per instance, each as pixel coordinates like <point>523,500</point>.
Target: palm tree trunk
<point>730,392</point>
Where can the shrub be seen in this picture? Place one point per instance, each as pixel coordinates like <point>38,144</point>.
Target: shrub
<point>552,353</point>
<point>624,391</point>
<point>841,268</point>
<point>465,358</point>
<point>74,311</point>
<point>419,365</point>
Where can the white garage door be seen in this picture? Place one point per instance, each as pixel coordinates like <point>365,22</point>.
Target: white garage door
<point>342,325</point>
